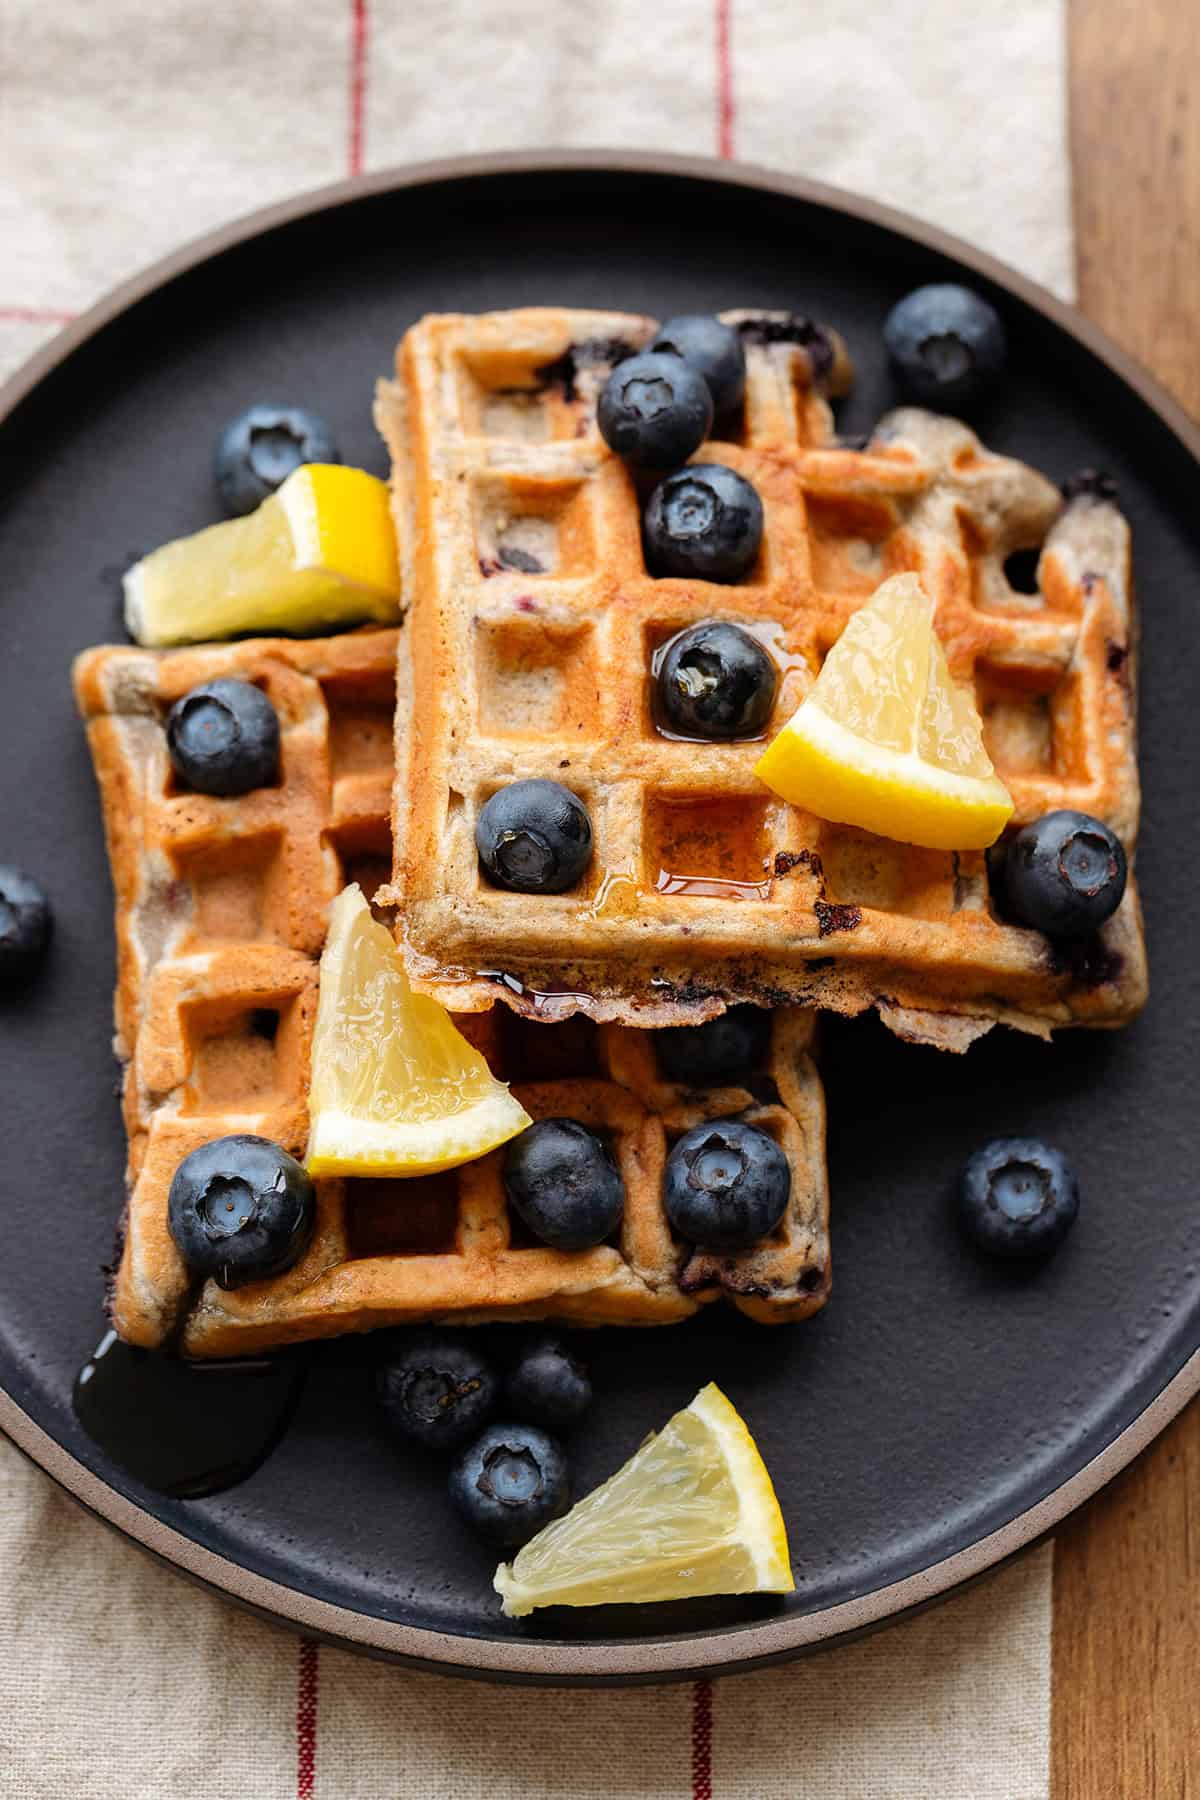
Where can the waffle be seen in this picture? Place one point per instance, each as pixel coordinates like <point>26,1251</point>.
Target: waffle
<point>531,638</point>
<point>221,913</point>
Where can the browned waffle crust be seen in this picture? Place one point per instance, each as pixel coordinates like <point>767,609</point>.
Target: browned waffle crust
<point>221,914</point>
<point>532,630</point>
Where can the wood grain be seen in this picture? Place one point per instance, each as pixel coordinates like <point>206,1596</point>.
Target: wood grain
<point>1134,72</point>
<point>1126,1656</point>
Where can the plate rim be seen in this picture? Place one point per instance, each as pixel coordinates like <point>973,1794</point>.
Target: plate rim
<point>736,1648</point>
<point>550,1663</point>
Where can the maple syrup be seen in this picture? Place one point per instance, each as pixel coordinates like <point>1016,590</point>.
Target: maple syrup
<point>708,847</point>
<point>710,887</point>
<point>612,882</point>
<point>547,1004</point>
<point>186,1429</point>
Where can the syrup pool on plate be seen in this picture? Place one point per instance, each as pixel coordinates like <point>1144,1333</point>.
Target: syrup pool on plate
<point>186,1429</point>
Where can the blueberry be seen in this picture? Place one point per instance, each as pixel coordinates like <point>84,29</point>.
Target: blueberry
<point>223,737</point>
<point>726,1185</point>
<point>257,451</point>
<point>534,837</point>
<point>241,1209</point>
<point>716,681</point>
<point>1018,1198</point>
<point>438,1391</point>
<point>946,344</point>
<point>510,1483</point>
<point>718,1051</point>
<point>547,1384</point>
<point>654,411</point>
<point>25,921</point>
<point>562,1180</point>
<point>715,350</point>
<point>1064,874</point>
<point>705,521</point>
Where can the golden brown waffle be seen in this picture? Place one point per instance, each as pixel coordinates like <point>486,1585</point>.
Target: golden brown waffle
<point>531,636</point>
<point>221,913</point>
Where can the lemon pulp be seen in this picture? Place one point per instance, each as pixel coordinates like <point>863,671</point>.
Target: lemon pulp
<point>886,740</point>
<point>692,1512</point>
<point>395,1089</point>
<point>318,554</point>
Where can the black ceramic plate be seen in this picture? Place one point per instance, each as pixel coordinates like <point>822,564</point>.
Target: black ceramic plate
<point>940,1412</point>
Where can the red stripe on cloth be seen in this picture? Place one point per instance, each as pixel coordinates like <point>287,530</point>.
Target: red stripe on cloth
<point>37,315</point>
<point>360,36</point>
<point>725,106</point>
<point>307,1679</point>
<point>702,1730</point>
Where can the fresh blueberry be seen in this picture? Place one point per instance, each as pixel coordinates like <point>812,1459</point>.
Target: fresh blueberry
<point>712,348</point>
<point>512,1481</point>
<point>1018,1198</point>
<point>716,681</point>
<point>704,521</point>
<point>548,1384</point>
<point>718,1051</point>
<point>1064,874</point>
<point>534,837</point>
<point>25,921</point>
<point>726,1185</point>
<point>562,1180</point>
<point>259,449</point>
<point>946,344</point>
<point>241,1209</point>
<point>439,1391</point>
<point>654,411</point>
<point>223,737</point>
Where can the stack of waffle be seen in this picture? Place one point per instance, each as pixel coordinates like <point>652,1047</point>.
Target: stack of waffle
<point>528,650</point>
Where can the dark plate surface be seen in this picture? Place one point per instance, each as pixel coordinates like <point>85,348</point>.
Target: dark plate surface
<point>940,1411</point>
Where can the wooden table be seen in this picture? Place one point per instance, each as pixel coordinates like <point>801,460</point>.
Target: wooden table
<point>1126,1686</point>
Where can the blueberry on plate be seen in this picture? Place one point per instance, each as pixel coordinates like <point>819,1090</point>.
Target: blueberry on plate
<point>25,921</point>
<point>510,1482</point>
<point>654,411</point>
<point>946,345</point>
<point>534,837</point>
<point>714,349</point>
<point>726,1185</point>
<point>561,1178</point>
<point>547,1384</point>
<point>720,1050</point>
<point>1018,1198</point>
<point>241,1209</point>
<point>257,451</point>
<point>438,1391</point>
<point>705,521</point>
<point>223,738</point>
<point>716,681</point>
<point>1064,874</point>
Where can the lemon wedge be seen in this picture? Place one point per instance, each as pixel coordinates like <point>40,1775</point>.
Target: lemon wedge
<point>692,1512</point>
<point>886,740</point>
<point>396,1089</point>
<point>317,555</point>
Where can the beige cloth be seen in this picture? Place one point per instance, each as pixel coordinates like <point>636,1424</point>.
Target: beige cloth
<point>129,126</point>
<point>119,1681</point>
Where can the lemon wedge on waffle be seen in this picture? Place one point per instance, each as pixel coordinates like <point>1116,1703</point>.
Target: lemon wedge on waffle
<point>317,555</point>
<point>692,1512</point>
<point>886,740</point>
<point>395,1089</point>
